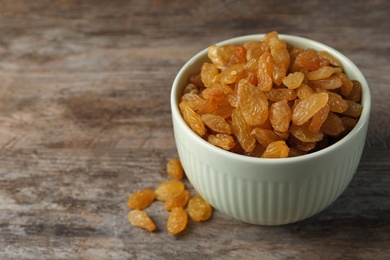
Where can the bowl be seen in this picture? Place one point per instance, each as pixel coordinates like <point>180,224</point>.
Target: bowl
<point>269,191</point>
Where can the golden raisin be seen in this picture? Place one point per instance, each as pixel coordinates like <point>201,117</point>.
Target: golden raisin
<point>277,94</point>
<point>308,60</point>
<point>191,88</point>
<point>177,199</point>
<point>324,55</point>
<point>303,134</point>
<point>141,199</point>
<point>229,75</point>
<point>175,169</point>
<point>336,103</point>
<point>140,218</point>
<point>293,80</point>
<point>195,101</point>
<point>304,91</point>
<point>220,55</point>
<point>208,107</point>
<point>199,209</point>
<point>223,141</point>
<point>217,91</point>
<point>264,73</point>
<point>177,220</point>
<point>252,103</point>
<point>192,119</point>
<point>354,109</point>
<point>356,92</point>
<point>216,123</point>
<point>165,189</point>
<point>308,107</point>
<point>347,85</point>
<point>349,123</point>
<point>331,82</point>
<point>333,125</point>
<point>318,119</point>
<point>254,49</point>
<point>320,73</point>
<point>265,136</point>
<point>242,131</point>
<point>207,73</point>
<point>294,143</point>
<point>280,115</point>
<point>277,149</point>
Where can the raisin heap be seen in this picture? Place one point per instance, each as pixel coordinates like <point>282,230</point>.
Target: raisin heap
<point>269,99</point>
<point>175,198</point>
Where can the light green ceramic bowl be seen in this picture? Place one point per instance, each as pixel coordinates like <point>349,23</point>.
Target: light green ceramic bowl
<point>269,191</point>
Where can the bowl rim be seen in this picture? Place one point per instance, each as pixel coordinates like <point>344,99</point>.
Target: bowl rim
<point>345,61</point>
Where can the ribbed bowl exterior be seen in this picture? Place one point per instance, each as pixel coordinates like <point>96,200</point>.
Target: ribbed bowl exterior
<point>269,191</point>
<point>269,201</point>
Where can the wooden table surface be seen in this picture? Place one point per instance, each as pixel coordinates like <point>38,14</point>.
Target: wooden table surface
<point>85,120</point>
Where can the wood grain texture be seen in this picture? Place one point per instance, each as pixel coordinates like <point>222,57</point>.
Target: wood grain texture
<point>85,120</point>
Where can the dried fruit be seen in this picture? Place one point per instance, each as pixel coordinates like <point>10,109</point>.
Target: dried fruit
<point>277,94</point>
<point>216,123</point>
<point>303,134</point>
<point>197,81</point>
<point>223,141</point>
<point>333,125</point>
<point>207,73</point>
<point>239,56</point>
<point>349,123</point>
<point>229,75</point>
<point>194,101</point>
<point>356,92</point>
<point>293,80</point>
<point>191,88</point>
<point>140,218</point>
<point>354,109</point>
<point>324,55</point>
<point>177,199</point>
<point>332,82</point>
<point>254,49</point>
<point>192,119</point>
<point>217,92</point>
<point>336,102</point>
<point>199,209</point>
<point>210,106</point>
<point>280,56</point>
<point>318,119</point>
<point>277,149</point>
<point>165,189</point>
<point>175,169</point>
<point>141,199</point>
<point>347,85</point>
<point>304,91</point>
<point>309,60</point>
<point>242,131</point>
<point>308,107</point>
<point>264,72</point>
<point>294,143</point>
<point>280,115</point>
<point>238,102</point>
<point>320,73</point>
<point>253,103</point>
<point>265,136</point>
<point>177,220</point>
<point>220,55</point>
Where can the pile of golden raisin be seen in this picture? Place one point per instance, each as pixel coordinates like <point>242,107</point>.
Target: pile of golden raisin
<point>175,197</point>
<point>269,99</point>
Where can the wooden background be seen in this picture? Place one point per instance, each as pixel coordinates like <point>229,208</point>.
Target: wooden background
<point>85,120</point>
